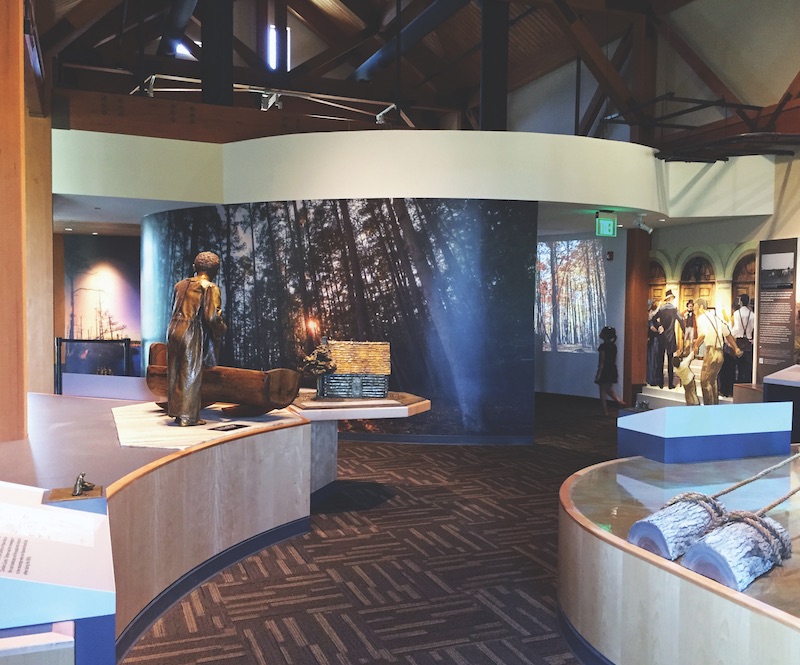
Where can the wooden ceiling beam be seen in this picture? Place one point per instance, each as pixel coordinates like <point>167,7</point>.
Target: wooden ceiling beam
<point>324,62</point>
<point>600,96</point>
<point>704,72</point>
<point>576,31</point>
<point>707,75</point>
<point>316,20</point>
<point>626,8</point>
<point>663,7</point>
<point>350,48</point>
<point>248,55</point>
<point>365,12</point>
<point>787,122</point>
<point>643,68</point>
<point>145,33</point>
<point>407,13</point>
<point>110,28</point>
<point>74,23</point>
<point>794,87</point>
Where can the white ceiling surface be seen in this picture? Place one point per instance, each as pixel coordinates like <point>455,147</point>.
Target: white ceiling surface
<point>750,45</point>
<point>108,209</point>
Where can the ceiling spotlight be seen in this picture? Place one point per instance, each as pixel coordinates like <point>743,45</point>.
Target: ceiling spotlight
<point>270,100</point>
<point>380,118</point>
<point>639,224</point>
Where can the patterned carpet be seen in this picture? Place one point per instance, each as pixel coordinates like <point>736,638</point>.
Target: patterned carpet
<point>423,555</point>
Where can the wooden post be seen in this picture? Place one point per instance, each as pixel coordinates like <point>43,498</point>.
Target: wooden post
<point>12,193</point>
<point>636,290</point>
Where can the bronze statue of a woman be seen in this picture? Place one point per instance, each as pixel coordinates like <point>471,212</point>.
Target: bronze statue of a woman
<point>195,330</point>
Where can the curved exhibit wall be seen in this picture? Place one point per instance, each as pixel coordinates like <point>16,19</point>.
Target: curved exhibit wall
<point>448,282</point>
<point>500,166</point>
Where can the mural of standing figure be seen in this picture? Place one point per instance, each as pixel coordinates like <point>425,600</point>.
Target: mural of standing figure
<point>682,361</point>
<point>665,323</point>
<point>193,336</point>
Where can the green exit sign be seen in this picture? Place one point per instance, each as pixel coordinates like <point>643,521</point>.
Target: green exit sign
<point>606,224</point>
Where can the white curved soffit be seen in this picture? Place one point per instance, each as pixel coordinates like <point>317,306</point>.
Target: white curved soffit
<point>446,164</point>
<point>386,163</point>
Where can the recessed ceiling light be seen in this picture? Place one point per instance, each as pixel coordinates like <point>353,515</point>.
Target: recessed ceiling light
<point>68,228</point>
<point>94,233</point>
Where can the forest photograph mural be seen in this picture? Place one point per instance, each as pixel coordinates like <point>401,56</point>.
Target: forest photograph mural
<point>570,295</point>
<point>449,283</point>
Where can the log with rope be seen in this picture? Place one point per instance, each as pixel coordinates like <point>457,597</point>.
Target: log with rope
<point>687,517</point>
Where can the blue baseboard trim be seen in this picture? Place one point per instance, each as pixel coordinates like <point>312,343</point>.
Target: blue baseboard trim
<point>202,573</point>
<point>440,439</point>
<point>702,448</point>
<point>583,651</point>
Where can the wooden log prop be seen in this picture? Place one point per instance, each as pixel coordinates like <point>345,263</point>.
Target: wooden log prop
<point>670,531</point>
<point>685,518</point>
<point>251,392</point>
<point>745,547</point>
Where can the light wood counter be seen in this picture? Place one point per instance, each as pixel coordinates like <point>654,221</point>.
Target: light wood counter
<point>626,606</point>
<point>176,517</point>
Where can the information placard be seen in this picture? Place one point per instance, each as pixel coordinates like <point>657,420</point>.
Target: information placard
<point>776,306</point>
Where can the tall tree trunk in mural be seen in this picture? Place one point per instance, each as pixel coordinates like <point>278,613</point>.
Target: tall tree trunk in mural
<point>278,277</point>
<point>554,293</point>
<point>294,222</point>
<point>361,320</point>
<point>459,272</point>
<point>592,304</point>
<point>227,354</point>
<point>439,376</point>
<point>256,300</point>
<point>468,400</point>
<point>313,262</point>
<point>407,319</point>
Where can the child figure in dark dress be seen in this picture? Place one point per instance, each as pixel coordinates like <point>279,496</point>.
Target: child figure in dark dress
<point>607,375</point>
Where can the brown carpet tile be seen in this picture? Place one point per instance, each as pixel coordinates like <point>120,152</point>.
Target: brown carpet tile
<point>423,555</point>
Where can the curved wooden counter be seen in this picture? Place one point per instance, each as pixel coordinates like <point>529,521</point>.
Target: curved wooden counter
<point>625,606</point>
<point>177,513</point>
<point>177,518</point>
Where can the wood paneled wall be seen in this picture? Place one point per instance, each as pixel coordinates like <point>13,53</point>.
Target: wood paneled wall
<point>12,194</point>
<point>39,254</point>
<point>59,305</point>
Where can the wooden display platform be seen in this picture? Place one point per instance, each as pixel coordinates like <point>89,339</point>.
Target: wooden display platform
<point>622,605</point>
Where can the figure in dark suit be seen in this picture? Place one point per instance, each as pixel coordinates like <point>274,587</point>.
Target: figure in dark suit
<point>193,336</point>
<point>667,344</point>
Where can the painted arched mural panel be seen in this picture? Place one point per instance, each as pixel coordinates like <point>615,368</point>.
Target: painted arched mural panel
<point>449,283</point>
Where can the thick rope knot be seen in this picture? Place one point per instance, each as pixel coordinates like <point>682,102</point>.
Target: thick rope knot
<point>716,511</point>
<point>780,548</point>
